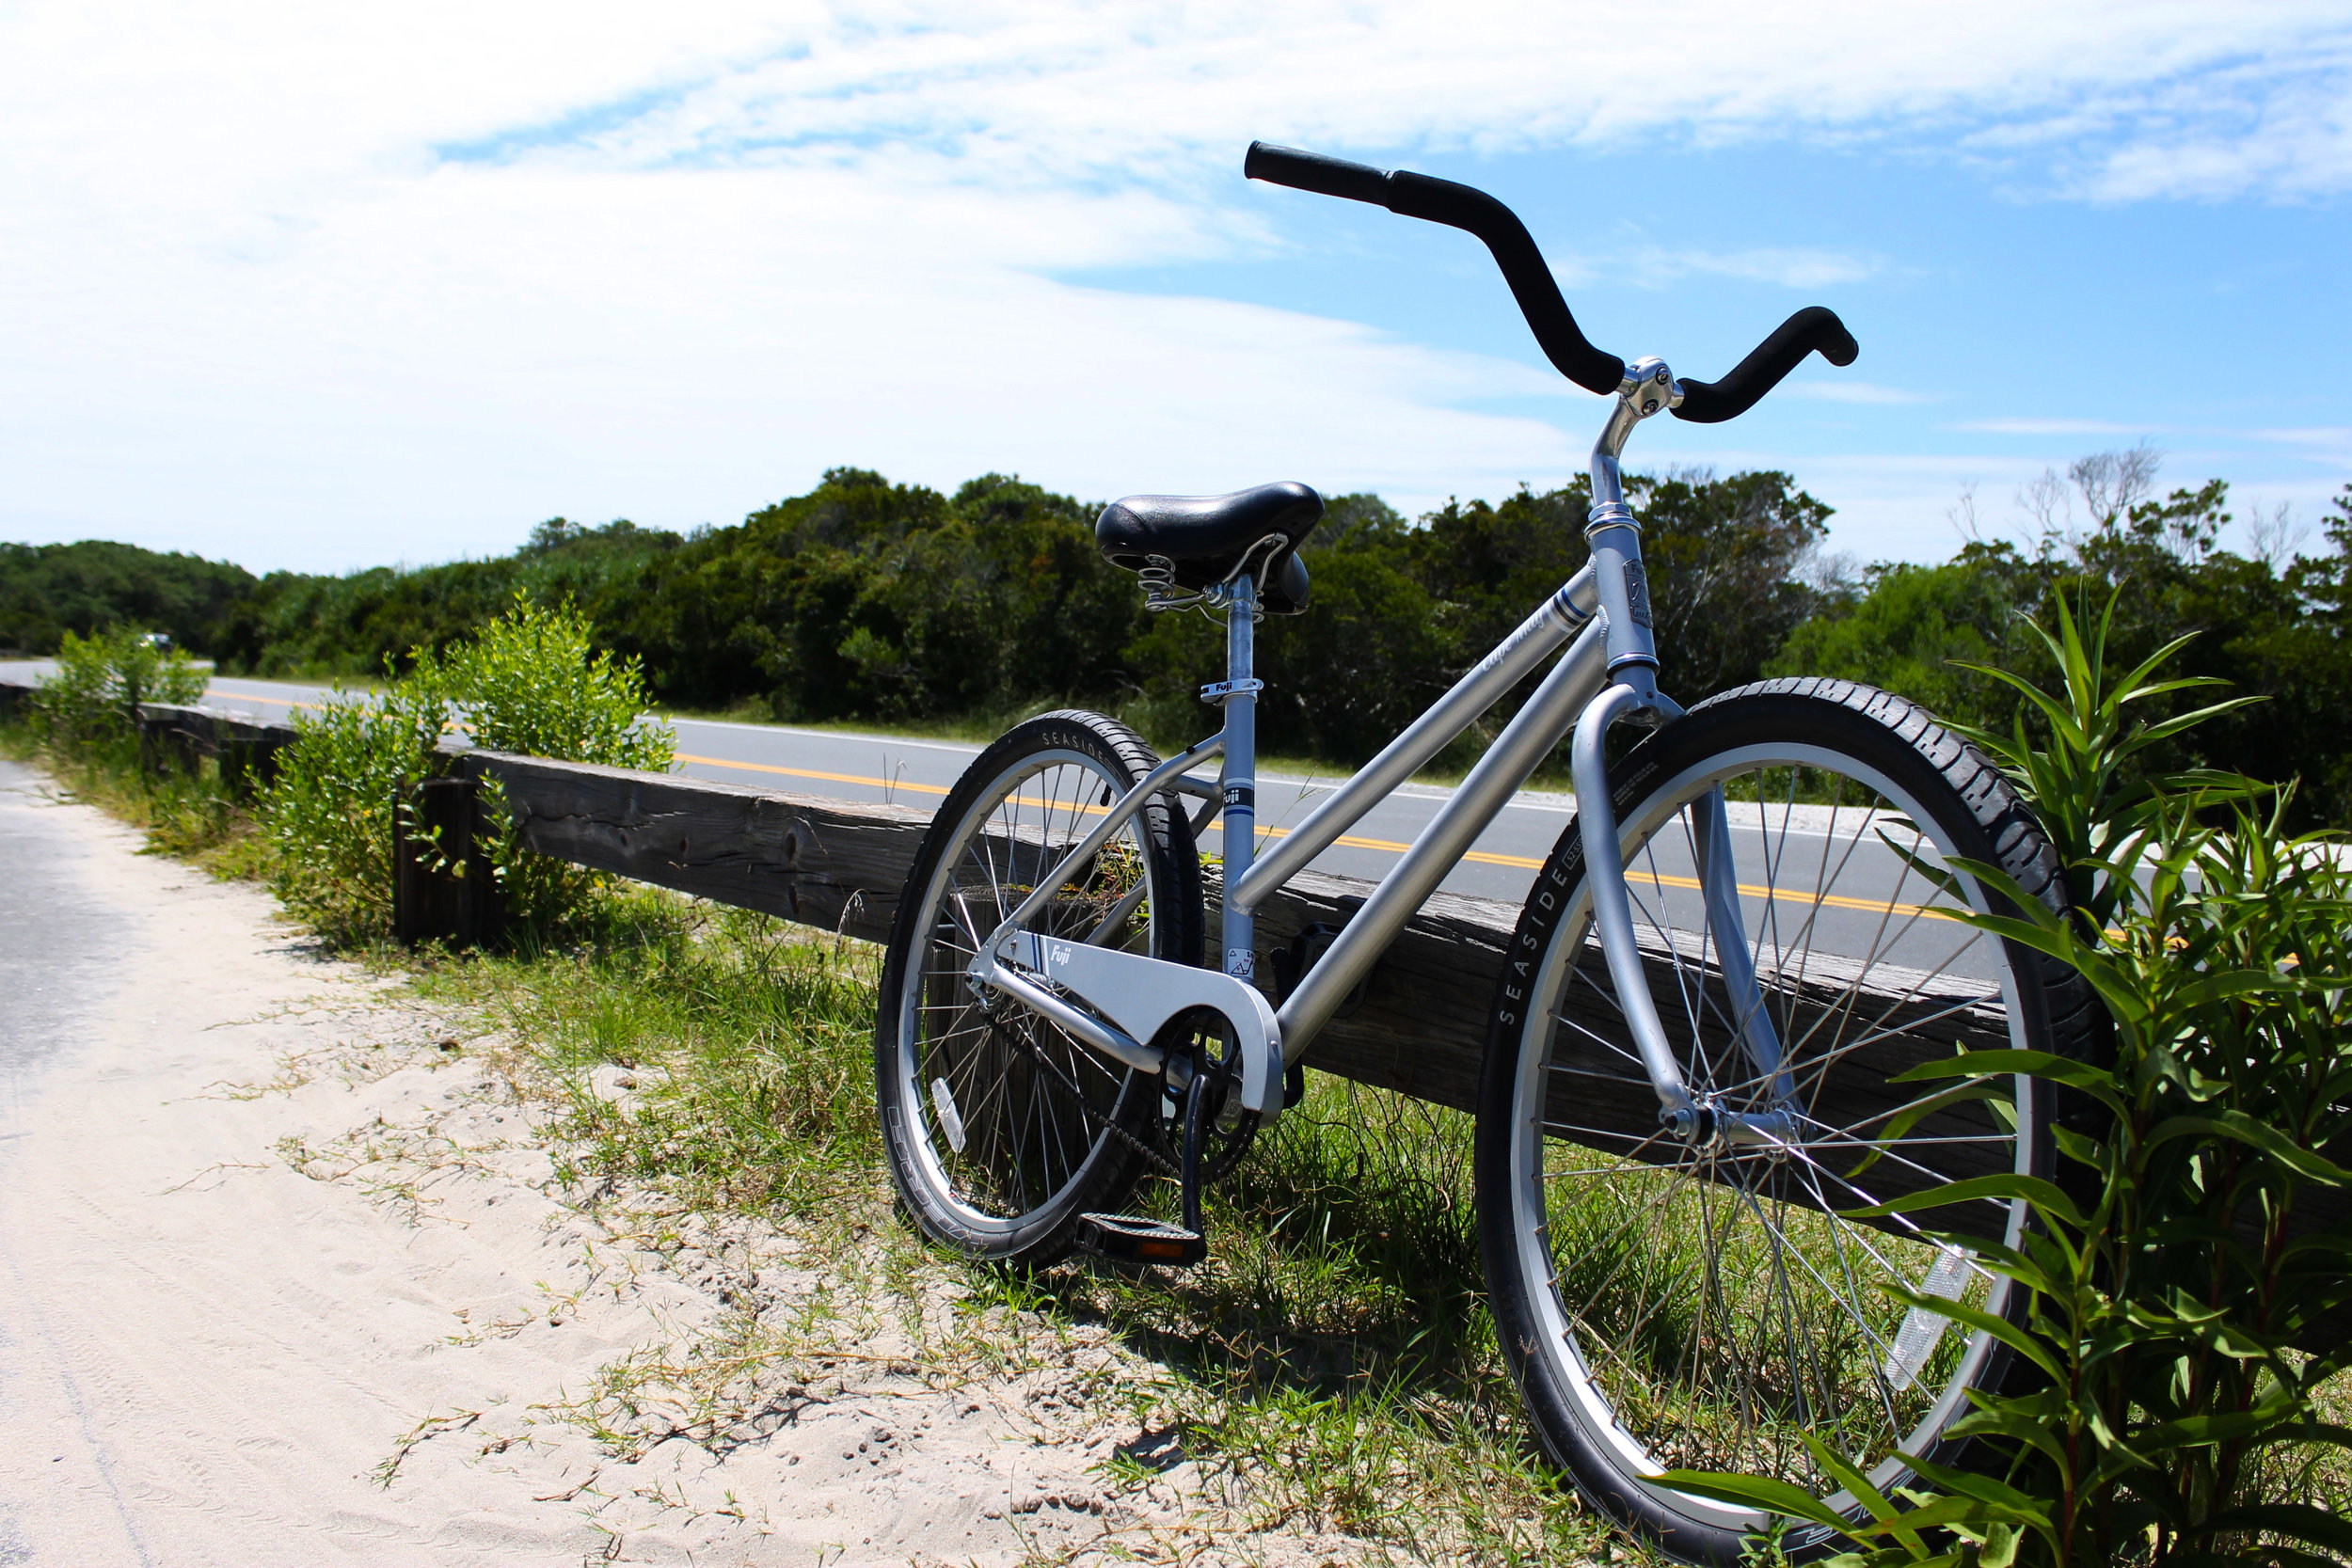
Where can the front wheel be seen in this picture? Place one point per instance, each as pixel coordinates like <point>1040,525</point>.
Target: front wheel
<point>1670,1302</point>
<point>1000,1128</point>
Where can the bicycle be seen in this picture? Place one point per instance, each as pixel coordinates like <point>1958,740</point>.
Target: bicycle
<point>1667,1129</point>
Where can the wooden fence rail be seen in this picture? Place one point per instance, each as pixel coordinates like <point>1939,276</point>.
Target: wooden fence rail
<point>1420,1028</point>
<point>840,865</point>
<point>246,747</point>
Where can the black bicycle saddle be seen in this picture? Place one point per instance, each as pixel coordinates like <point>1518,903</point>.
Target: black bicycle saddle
<point>1207,538</point>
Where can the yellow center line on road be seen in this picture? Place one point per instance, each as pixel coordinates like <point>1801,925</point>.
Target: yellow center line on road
<point>1349,841</point>
<point>256,697</point>
<point>829,778</point>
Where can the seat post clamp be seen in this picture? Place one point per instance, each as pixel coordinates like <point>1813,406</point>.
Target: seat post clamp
<point>1217,691</point>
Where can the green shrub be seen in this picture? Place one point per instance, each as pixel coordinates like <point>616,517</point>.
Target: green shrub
<point>2185,1299</point>
<point>530,682</point>
<point>91,705</point>
<point>48,590</point>
<point>328,812</point>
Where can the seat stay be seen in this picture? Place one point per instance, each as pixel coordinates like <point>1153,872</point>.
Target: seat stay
<point>1115,816</point>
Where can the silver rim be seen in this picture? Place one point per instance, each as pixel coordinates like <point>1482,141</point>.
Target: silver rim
<point>1701,1308</point>
<point>1007,1112</point>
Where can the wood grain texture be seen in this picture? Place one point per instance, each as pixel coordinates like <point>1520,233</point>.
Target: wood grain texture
<point>833,865</point>
<point>246,748</point>
<point>840,865</point>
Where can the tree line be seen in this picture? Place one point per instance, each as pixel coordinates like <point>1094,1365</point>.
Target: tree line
<point>869,601</point>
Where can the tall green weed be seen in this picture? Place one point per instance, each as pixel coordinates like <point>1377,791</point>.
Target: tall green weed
<point>532,682</point>
<point>2190,1273</point>
<point>328,812</point>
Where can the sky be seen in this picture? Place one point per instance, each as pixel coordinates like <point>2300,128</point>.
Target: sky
<point>322,287</point>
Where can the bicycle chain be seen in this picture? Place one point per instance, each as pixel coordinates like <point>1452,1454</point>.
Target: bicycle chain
<point>1028,1047</point>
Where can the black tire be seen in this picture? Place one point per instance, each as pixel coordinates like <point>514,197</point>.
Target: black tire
<point>1667,1305</point>
<point>1032,1127</point>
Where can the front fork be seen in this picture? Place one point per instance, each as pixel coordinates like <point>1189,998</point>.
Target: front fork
<point>1615,536</point>
<point>1699,1117</point>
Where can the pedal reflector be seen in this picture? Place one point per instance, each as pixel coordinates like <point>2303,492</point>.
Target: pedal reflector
<point>1132,1239</point>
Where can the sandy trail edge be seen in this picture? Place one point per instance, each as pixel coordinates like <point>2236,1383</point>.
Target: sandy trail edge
<point>208,1356</point>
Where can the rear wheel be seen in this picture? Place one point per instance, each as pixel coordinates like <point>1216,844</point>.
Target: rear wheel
<point>1001,1129</point>
<point>1701,1304</point>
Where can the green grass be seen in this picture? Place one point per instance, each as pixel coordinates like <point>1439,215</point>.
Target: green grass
<point>747,1044</point>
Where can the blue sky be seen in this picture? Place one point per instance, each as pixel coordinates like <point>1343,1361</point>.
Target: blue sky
<point>2003,330</point>
<point>316,290</point>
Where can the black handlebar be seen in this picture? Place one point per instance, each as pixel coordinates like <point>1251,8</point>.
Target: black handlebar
<point>1418,195</point>
<point>1816,326</point>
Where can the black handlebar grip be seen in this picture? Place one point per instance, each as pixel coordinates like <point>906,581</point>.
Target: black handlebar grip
<point>1312,171</point>
<point>1814,327</point>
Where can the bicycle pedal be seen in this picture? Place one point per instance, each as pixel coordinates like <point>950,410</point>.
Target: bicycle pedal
<point>1132,1239</point>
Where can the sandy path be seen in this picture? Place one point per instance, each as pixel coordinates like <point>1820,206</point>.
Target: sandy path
<point>256,1223</point>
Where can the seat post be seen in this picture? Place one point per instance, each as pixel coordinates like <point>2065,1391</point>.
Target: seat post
<point>1238,781</point>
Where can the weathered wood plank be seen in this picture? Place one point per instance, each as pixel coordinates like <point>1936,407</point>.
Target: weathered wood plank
<point>1421,1028</point>
<point>246,748</point>
<point>840,865</point>
<point>830,864</point>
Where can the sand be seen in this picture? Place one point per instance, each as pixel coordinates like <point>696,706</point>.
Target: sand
<point>287,1277</point>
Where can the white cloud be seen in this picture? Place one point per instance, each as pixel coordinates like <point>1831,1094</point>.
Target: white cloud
<point>1867,393</point>
<point>2330,445</point>
<point>2035,425</point>
<point>1655,266</point>
<point>325,285</point>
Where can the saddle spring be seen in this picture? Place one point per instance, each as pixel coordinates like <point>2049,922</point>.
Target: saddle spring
<point>1161,591</point>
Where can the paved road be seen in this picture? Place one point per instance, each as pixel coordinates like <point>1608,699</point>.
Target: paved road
<point>874,768</point>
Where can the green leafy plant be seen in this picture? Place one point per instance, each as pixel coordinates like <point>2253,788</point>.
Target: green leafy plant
<point>91,704</point>
<point>328,812</point>
<point>531,681</point>
<point>2188,1278</point>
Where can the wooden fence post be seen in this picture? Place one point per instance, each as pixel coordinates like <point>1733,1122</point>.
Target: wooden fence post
<point>444,887</point>
<point>164,744</point>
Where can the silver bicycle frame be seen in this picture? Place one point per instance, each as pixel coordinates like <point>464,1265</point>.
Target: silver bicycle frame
<point>1609,673</point>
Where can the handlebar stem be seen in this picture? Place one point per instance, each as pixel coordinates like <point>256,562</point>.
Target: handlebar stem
<point>1614,532</point>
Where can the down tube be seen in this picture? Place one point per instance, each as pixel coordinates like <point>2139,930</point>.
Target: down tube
<point>1515,753</point>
